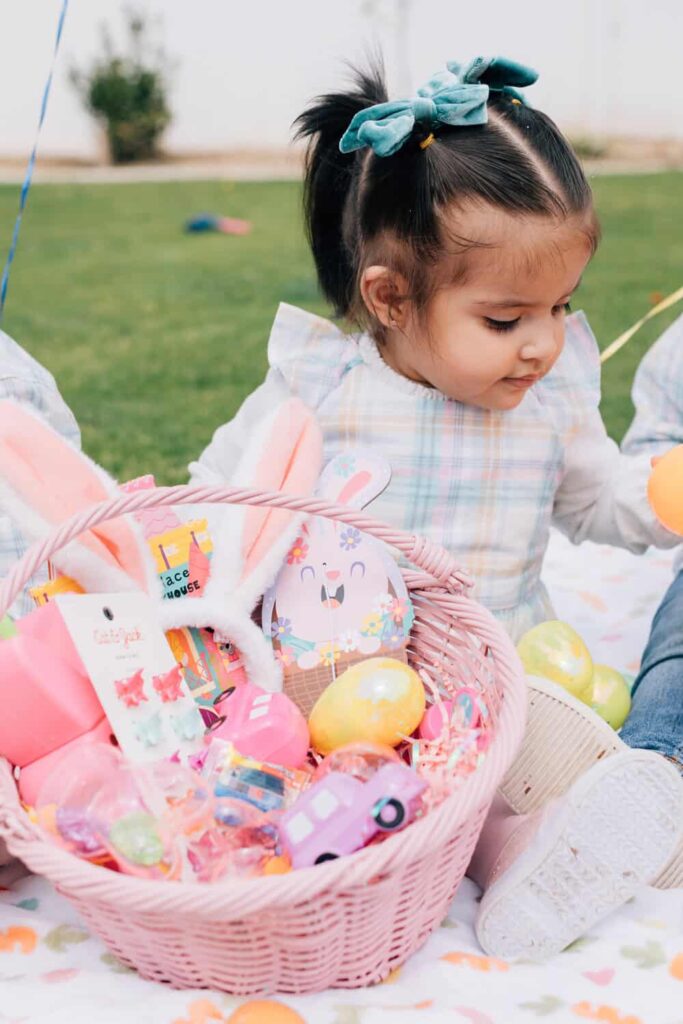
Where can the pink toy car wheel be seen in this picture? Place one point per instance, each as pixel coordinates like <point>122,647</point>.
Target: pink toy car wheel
<point>389,813</point>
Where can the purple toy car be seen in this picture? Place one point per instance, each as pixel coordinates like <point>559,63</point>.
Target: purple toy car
<point>340,814</point>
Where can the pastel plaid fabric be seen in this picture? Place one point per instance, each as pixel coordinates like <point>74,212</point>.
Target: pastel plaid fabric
<point>658,396</point>
<point>485,485</point>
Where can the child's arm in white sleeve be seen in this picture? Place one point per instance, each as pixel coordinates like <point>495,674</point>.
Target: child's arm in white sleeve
<point>217,462</point>
<point>658,396</point>
<point>603,494</point>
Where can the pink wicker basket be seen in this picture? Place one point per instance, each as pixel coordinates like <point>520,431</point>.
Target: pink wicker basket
<point>346,923</point>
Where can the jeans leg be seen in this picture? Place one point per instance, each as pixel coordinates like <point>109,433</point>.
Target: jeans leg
<point>656,718</point>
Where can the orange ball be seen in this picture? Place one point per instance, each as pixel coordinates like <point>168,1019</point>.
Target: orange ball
<point>265,1011</point>
<point>665,490</point>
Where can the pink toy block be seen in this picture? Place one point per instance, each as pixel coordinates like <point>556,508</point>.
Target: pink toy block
<point>462,712</point>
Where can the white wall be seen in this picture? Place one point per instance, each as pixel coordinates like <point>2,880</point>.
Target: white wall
<point>245,69</point>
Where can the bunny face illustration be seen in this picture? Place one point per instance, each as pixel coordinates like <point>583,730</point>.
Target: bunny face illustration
<point>340,594</point>
<point>333,582</point>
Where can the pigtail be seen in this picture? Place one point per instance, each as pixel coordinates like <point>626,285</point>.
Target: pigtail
<point>331,183</point>
<point>402,210</point>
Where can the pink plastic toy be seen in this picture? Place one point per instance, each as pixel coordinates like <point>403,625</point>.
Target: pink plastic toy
<point>140,841</point>
<point>266,726</point>
<point>268,787</point>
<point>339,814</point>
<point>64,798</point>
<point>160,820</point>
<point>461,713</point>
<point>241,842</point>
<point>48,704</point>
<point>361,760</point>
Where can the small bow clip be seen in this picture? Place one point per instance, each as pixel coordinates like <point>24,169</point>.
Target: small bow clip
<point>457,97</point>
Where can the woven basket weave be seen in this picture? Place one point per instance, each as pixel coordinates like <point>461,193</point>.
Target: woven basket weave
<point>345,923</point>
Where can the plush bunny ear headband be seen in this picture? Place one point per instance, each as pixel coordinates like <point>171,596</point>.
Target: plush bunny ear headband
<point>44,481</point>
<point>455,97</point>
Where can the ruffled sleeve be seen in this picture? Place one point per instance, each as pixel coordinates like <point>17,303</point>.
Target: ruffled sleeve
<point>658,396</point>
<point>602,494</point>
<point>311,354</point>
<point>308,358</point>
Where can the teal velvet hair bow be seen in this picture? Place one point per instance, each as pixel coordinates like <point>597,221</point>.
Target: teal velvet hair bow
<point>457,97</point>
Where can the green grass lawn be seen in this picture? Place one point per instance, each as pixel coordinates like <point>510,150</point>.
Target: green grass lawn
<point>156,336</point>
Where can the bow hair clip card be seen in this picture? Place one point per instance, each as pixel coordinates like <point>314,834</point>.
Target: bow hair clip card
<point>140,685</point>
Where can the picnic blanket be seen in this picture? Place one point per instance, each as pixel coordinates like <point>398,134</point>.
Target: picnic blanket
<point>626,970</point>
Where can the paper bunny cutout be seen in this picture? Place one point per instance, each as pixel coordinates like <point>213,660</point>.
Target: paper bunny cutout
<point>340,596</point>
<point>44,480</point>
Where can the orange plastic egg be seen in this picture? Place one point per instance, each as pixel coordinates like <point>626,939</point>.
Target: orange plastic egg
<point>265,1011</point>
<point>665,489</point>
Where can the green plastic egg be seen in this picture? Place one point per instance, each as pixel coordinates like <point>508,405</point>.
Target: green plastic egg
<point>611,697</point>
<point>137,838</point>
<point>7,628</point>
<point>555,651</point>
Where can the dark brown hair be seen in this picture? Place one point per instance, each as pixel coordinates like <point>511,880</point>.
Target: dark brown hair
<point>362,209</point>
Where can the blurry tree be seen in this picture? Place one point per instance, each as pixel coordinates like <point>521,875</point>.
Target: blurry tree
<point>128,93</point>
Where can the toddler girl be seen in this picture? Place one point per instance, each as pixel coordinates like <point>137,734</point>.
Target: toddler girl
<point>453,229</point>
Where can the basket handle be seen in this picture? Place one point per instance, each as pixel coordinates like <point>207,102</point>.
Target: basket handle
<point>434,560</point>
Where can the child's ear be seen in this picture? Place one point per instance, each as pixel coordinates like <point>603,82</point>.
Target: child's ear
<point>385,294</point>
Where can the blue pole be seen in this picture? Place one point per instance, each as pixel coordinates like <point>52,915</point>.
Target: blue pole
<point>31,164</point>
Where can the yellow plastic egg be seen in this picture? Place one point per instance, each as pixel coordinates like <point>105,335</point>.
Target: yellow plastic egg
<point>380,700</point>
<point>555,651</point>
<point>611,695</point>
<point>665,489</point>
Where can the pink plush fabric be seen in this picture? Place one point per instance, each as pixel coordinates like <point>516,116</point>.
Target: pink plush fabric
<point>54,481</point>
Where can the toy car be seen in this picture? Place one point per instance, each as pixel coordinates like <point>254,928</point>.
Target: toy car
<point>340,814</point>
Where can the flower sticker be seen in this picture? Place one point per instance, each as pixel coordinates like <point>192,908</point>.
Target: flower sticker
<point>297,552</point>
<point>393,635</point>
<point>285,656</point>
<point>349,641</point>
<point>349,538</point>
<point>372,625</point>
<point>344,465</point>
<point>383,604</point>
<point>398,609</point>
<point>281,628</point>
<point>329,654</point>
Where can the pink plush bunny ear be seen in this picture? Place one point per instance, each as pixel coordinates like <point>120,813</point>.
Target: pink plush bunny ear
<point>354,478</point>
<point>250,544</point>
<point>289,461</point>
<point>44,481</point>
